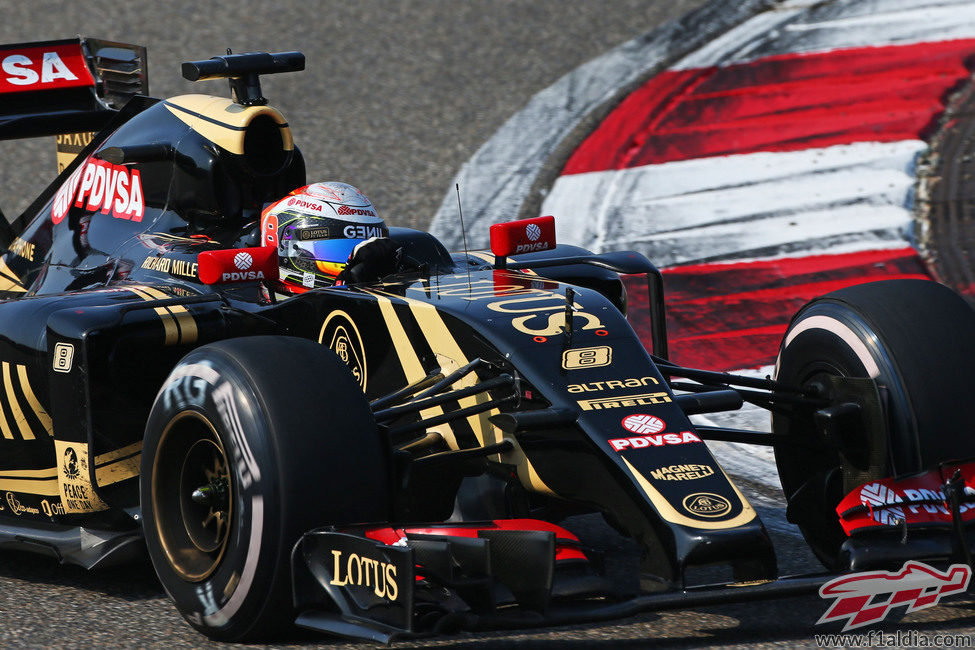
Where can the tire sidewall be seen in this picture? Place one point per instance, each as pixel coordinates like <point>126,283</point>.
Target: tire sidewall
<point>828,337</point>
<point>222,604</point>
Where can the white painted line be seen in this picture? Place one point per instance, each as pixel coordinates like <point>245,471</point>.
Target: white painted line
<point>838,25</point>
<point>734,206</point>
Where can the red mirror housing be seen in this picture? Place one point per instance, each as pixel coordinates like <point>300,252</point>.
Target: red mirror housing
<point>523,236</point>
<point>238,265</point>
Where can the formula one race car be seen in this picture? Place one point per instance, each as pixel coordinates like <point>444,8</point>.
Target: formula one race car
<point>397,457</point>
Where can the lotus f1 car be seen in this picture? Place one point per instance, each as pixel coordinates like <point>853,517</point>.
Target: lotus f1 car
<point>398,457</point>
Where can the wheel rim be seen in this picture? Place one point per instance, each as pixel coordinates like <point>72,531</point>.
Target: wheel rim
<point>192,496</point>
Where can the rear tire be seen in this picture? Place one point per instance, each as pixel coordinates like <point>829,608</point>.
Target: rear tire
<point>278,438</point>
<point>916,338</point>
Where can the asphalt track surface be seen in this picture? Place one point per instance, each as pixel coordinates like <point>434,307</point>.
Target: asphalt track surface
<point>396,97</point>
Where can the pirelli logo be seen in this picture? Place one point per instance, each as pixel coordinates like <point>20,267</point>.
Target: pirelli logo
<point>17,401</point>
<point>623,401</point>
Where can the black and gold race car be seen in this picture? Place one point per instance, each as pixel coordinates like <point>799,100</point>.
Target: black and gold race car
<point>397,457</point>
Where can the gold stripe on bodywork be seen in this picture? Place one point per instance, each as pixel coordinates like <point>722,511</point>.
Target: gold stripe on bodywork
<point>669,513</point>
<point>169,324</point>
<point>43,487</point>
<point>118,471</point>
<point>222,121</point>
<point>34,403</point>
<point>184,319</point>
<point>114,466</point>
<point>410,362</point>
<point>4,427</point>
<point>51,472</point>
<point>444,345</point>
<point>122,452</point>
<point>15,410</point>
<point>172,330</point>
<point>8,281</point>
<point>484,256</point>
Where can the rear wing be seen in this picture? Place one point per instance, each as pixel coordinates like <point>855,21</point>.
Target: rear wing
<point>67,86</point>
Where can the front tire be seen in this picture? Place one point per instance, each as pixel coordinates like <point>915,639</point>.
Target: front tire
<point>252,442</point>
<point>915,339</point>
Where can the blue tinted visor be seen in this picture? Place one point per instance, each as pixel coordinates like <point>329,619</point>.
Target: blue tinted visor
<point>330,250</point>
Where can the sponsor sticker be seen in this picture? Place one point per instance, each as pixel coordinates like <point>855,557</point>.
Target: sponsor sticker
<point>362,232</point>
<point>99,185</point>
<point>613,384</point>
<point>623,401</point>
<point>172,266</point>
<point>706,504</point>
<point>345,210</point>
<point>44,67</point>
<point>657,440</point>
<point>243,260</point>
<point>21,248</point>
<point>248,471</point>
<point>682,472</point>
<point>594,357</point>
<point>342,336</point>
<point>643,423</point>
<point>352,569</point>
<point>305,205</point>
<point>306,234</point>
<point>533,310</point>
<point>63,357</point>
<point>17,508</point>
<point>77,493</point>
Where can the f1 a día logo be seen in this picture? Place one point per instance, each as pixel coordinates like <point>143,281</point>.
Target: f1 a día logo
<point>865,598</point>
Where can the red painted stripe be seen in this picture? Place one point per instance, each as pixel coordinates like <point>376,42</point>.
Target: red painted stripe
<point>729,316</point>
<point>780,103</point>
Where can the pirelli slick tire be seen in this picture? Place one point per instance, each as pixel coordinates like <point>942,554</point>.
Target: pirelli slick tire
<point>250,443</point>
<point>915,339</point>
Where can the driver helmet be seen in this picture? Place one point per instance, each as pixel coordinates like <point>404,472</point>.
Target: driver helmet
<point>315,228</point>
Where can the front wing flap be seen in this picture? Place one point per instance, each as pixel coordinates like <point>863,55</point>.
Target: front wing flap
<point>349,582</point>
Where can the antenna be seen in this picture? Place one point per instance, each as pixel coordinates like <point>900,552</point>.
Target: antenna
<point>463,232</point>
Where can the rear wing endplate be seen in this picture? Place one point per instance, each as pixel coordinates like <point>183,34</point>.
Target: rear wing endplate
<point>67,86</point>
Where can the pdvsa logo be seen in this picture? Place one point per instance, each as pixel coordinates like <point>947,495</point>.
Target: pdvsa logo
<point>642,423</point>
<point>298,203</point>
<point>533,232</point>
<point>48,69</point>
<point>100,186</point>
<point>345,210</point>
<point>531,248</point>
<point>243,261</point>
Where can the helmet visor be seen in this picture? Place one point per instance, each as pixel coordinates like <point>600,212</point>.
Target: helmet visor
<point>327,256</point>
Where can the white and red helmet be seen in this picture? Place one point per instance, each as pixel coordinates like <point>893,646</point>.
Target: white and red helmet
<point>315,228</point>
